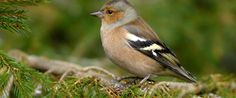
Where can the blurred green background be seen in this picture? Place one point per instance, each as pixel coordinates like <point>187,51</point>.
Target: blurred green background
<point>201,32</point>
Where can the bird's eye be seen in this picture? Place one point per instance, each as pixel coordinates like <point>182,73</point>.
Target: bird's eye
<point>109,12</point>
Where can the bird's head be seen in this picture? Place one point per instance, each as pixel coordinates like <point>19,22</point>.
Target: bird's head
<point>115,11</point>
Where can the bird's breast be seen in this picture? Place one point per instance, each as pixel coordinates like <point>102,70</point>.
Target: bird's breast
<point>120,53</point>
<point>112,40</point>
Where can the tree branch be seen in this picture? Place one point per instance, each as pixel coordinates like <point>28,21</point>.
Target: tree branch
<point>61,67</point>
<point>106,78</point>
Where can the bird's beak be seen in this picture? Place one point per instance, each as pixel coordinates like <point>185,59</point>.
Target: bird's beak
<point>98,14</point>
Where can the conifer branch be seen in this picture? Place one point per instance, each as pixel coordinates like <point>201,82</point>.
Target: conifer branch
<point>24,78</point>
<point>20,2</point>
<point>13,15</point>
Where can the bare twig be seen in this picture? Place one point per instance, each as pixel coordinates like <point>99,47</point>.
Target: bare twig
<point>64,75</point>
<point>102,70</point>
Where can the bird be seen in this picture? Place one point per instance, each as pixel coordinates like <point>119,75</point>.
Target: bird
<point>130,43</point>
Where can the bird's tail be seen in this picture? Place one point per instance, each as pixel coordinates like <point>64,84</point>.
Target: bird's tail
<point>185,75</point>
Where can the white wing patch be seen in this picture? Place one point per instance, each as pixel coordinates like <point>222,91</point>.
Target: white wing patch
<point>154,53</point>
<point>133,37</point>
<point>153,47</point>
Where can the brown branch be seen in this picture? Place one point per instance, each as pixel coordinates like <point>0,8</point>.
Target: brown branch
<point>185,88</point>
<point>106,78</point>
<point>61,67</point>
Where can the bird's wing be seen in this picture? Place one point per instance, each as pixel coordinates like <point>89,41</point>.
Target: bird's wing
<point>155,49</point>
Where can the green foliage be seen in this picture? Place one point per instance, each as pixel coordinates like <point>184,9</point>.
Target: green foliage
<point>13,20</point>
<point>13,15</point>
<point>25,79</point>
<point>77,88</point>
<point>132,92</point>
<point>20,2</point>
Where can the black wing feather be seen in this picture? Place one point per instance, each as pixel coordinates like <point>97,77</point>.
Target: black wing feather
<point>159,57</point>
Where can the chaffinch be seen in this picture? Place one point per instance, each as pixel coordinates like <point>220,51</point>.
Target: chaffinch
<point>131,43</point>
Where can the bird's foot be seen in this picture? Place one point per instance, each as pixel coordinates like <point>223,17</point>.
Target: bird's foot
<point>135,80</point>
<point>129,80</point>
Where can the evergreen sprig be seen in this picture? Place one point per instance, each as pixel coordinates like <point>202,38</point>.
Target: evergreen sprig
<point>25,79</point>
<point>72,87</point>
<point>13,20</point>
<point>13,15</point>
<point>20,2</point>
